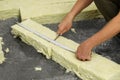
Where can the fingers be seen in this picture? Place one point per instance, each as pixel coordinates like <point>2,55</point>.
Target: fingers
<point>83,52</point>
<point>84,59</point>
<point>64,26</point>
<point>83,56</point>
<point>61,30</point>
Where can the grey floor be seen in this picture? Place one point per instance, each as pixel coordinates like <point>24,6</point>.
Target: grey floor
<point>22,58</point>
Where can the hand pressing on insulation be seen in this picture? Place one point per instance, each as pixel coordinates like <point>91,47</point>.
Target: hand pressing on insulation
<point>111,29</point>
<point>83,52</point>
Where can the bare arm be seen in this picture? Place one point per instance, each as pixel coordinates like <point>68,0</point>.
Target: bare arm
<point>109,30</point>
<point>79,6</point>
<point>66,23</point>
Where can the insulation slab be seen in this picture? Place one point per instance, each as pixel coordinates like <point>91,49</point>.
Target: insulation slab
<point>47,11</point>
<point>11,13</point>
<point>99,68</point>
<point>2,58</point>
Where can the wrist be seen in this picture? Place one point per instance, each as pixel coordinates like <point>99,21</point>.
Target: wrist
<point>71,16</point>
<point>88,44</point>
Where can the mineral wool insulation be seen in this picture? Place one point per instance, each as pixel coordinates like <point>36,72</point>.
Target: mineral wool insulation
<point>99,68</point>
<point>2,58</point>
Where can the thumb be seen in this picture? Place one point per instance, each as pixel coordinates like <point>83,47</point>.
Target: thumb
<point>59,31</point>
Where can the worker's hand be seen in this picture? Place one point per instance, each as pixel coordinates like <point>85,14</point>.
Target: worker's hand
<point>84,52</point>
<point>65,25</point>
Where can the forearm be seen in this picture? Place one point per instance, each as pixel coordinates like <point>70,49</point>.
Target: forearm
<point>109,30</point>
<point>79,6</point>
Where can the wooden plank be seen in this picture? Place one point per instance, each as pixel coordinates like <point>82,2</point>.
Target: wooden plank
<point>99,68</point>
